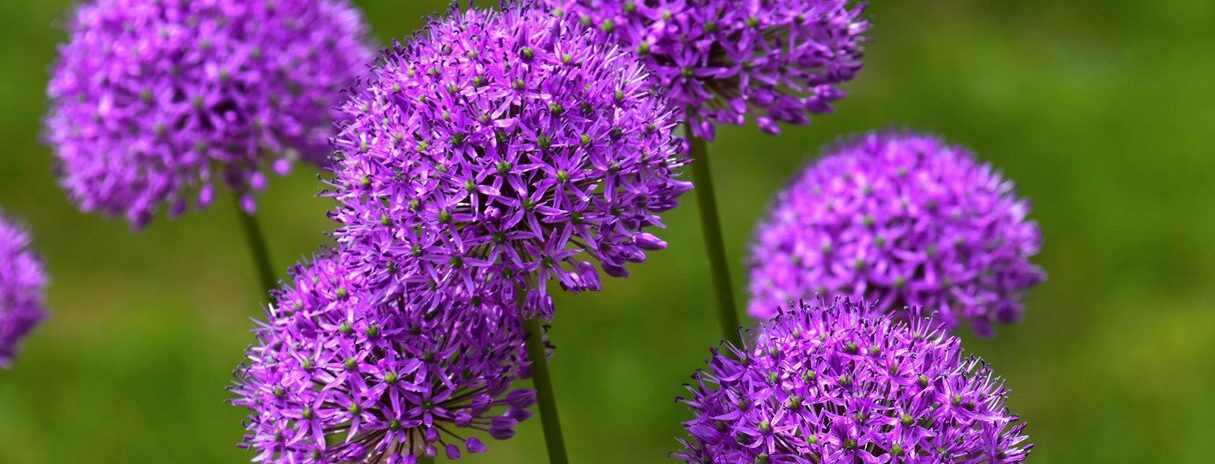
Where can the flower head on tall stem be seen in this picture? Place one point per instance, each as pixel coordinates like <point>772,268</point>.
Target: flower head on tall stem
<point>504,145</point>
<point>336,377</point>
<point>152,102</point>
<point>724,61</point>
<point>840,381</point>
<point>22,289</point>
<point>900,219</point>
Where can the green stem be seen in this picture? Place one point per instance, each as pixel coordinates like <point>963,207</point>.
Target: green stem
<point>425,460</point>
<point>546,401</point>
<point>710,221</point>
<point>257,247</point>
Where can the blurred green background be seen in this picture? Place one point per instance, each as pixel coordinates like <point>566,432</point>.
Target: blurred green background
<point>1103,112</point>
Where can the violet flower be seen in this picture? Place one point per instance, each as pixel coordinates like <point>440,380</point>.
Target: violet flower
<point>843,382</point>
<point>22,289</point>
<point>154,101</point>
<point>723,61</point>
<point>902,220</point>
<point>335,377</point>
<point>504,145</point>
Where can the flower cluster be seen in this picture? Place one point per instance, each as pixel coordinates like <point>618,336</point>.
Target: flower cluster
<point>844,382</point>
<point>151,100</point>
<point>903,220</point>
<point>337,377</point>
<point>725,60</point>
<point>22,284</point>
<point>506,146</point>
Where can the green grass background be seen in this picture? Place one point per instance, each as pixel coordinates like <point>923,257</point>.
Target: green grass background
<point>1103,112</point>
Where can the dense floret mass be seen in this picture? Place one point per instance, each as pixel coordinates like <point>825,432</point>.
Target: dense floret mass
<point>723,61</point>
<point>22,289</point>
<point>902,220</point>
<point>842,382</point>
<point>505,146</point>
<point>153,101</point>
<point>335,376</point>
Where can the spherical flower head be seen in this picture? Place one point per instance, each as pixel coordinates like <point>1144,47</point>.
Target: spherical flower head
<point>841,381</point>
<point>900,219</point>
<point>152,101</point>
<point>726,60</point>
<point>22,289</point>
<point>505,145</point>
<point>336,376</point>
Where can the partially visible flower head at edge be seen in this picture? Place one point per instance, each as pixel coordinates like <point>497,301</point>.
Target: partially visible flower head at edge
<point>901,219</point>
<point>22,289</point>
<point>841,381</point>
<point>152,103</point>
<point>334,377</point>
<point>504,146</point>
<point>724,61</point>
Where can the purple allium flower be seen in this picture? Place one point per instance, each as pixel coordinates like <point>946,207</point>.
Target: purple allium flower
<point>902,220</point>
<point>725,60</point>
<point>22,288</point>
<point>152,100</point>
<point>843,382</point>
<point>504,144</point>
<point>334,377</point>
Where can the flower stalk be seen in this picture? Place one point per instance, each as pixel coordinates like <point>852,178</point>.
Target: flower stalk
<point>710,221</point>
<point>258,250</point>
<point>543,382</point>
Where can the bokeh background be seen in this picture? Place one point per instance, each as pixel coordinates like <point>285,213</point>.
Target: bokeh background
<point>1103,112</point>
